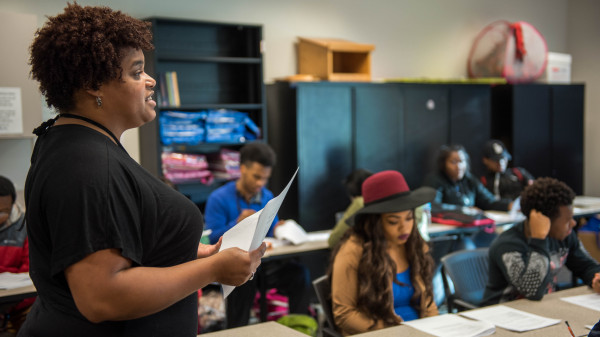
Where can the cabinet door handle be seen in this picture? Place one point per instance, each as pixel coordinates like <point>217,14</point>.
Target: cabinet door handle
<point>430,104</point>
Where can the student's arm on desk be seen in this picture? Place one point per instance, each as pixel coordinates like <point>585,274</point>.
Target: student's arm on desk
<point>344,287</point>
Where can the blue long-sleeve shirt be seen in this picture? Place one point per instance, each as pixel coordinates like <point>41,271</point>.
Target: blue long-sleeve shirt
<point>224,206</point>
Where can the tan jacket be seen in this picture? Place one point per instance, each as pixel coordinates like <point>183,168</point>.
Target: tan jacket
<point>344,289</point>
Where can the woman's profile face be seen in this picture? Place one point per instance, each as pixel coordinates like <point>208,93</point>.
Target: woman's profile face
<point>456,165</point>
<point>132,95</point>
<point>398,226</point>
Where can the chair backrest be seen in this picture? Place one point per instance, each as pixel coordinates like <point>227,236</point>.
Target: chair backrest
<point>468,270</point>
<point>323,290</point>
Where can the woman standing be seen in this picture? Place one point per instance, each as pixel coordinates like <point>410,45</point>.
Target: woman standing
<point>113,250</point>
<point>381,271</point>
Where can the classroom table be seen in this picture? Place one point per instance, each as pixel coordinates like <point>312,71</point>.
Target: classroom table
<point>267,329</point>
<point>582,206</point>
<point>551,306</point>
<point>586,206</point>
<point>288,251</point>
<point>284,251</point>
<point>16,294</point>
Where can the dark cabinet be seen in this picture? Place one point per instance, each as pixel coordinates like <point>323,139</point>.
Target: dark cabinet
<point>219,66</point>
<point>378,111</point>
<point>313,131</point>
<point>470,120</point>
<point>329,129</point>
<point>426,128</point>
<point>542,126</point>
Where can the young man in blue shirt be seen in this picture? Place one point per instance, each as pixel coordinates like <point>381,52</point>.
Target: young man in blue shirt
<point>233,202</point>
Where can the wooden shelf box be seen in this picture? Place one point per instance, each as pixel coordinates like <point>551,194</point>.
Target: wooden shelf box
<point>334,59</point>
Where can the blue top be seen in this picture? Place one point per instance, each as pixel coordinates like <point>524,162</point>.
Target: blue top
<point>224,206</point>
<point>402,296</point>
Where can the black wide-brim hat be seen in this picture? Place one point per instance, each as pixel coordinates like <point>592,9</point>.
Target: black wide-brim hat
<point>388,192</point>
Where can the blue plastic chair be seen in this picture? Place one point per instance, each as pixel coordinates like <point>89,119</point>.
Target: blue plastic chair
<point>468,271</point>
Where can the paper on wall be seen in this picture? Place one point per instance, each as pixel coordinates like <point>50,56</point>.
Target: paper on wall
<point>11,111</point>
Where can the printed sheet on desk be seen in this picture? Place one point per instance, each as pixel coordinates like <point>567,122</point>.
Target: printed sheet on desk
<point>249,233</point>
<point>590,301</point>
<point>291,233</point>
<point>14,280</point>
<point>451,325</point>
<point>509,318</point>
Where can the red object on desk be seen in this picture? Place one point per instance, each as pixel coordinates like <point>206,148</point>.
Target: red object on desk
<point>456,218</point>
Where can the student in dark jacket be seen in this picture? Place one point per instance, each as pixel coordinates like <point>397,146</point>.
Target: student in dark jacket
<point>455,185</point>
<point>525,260</point>
<point>502,181</point>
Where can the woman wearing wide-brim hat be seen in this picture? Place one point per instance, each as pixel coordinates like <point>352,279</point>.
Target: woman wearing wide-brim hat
<point>381,271</point>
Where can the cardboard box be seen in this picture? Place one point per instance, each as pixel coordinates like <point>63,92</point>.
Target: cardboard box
<point>334,59</point>
<point>558,68</point>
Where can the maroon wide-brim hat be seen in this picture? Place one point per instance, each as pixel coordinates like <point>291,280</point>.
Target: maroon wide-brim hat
<point>388,192</point>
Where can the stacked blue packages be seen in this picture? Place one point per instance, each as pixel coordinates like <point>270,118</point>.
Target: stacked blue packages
<point>211,126</point>
<point>229,126</point>
<point>181,127</point>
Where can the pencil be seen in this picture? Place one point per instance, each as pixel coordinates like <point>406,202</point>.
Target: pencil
<point>568,326</point>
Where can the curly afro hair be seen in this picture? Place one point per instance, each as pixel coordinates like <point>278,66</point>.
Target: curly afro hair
<point>82,48</point>
<point>546,195</point>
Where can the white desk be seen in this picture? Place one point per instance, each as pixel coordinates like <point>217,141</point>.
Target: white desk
<point>268,329</point>
<point>582,206</point>
<point>294,250</point>
<point>550,306</point>
<point>10,297</point>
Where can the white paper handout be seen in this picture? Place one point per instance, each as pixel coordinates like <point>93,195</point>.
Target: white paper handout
<point>249,233</point>
<point>510,319</point>
<point>451,325</point>
<point>291,231</point>
<point>14,280</point>
<point>590,301</point>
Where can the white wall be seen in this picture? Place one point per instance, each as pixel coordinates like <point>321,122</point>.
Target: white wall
<point>413,38</point>
<point>584,45</point>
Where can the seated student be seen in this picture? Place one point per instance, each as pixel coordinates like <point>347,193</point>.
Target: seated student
<point>502,182</point>
<point>14,249</point>
<point>381,271</point>
<point>524,261</point>
<point>353,184</point>
<point>456,185</point>
<point>233,202</point>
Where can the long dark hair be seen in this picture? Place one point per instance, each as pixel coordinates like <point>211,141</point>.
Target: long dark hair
<point>445,152</point>
<point>376,268</point>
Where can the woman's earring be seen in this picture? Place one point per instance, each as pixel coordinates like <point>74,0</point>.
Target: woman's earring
<point>99,101</point>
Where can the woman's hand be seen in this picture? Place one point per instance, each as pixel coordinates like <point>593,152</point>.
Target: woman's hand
<point>236,266</point>
<point>209,250</point>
